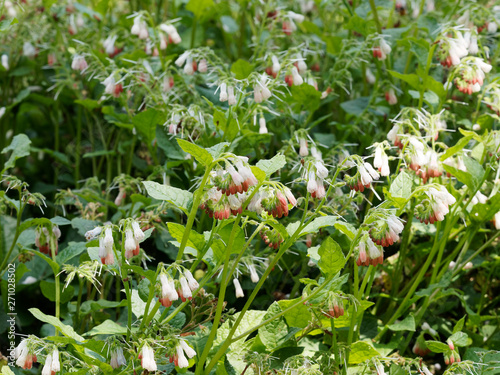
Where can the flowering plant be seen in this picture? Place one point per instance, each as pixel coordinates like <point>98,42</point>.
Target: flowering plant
<point>237,187</point>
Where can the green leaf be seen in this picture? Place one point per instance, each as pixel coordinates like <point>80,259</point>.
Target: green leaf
<point>182,199</point>
<point>306,96</point>
<point>460,325</point>
<point>6,370</point>
<point>195,240</point>
<point>332,258</point>
<point>362,351</point>
<point>55,267</point>
<point>20,147</point>
<point>269,166</point>
<point>90,104</point>
<point>297,317</point>
<point>145,122</point>
<point>272,334</point>
<point>458,147</point>
<point>320,222</point>
<point>218,149</point>
<point>472,177</point>
<point>356,106</point>
<point>482,212</point>
<point>72,250</point>
<point>400,190</point>
<point>460,339</point>
<point>437,346</point>
<point>229,127</point>
<point>49,291</point>
<point>199,7</point>
<point>108,327</point>
<point>242,69</point>
<point>200,154</point>
<point>407,324</point>
<point>66,330</point>
<point>358,25</point>
<point>346,228</point>
<point>139,306</point>
<point>250,320</point>
<point>259,174</point>
<point>431,84</point>
<point>412,79</point>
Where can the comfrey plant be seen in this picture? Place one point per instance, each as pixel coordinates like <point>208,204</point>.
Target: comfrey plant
<point>243,187</point>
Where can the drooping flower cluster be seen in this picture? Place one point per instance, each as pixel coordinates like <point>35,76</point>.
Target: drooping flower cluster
<point>385,228</point>
<point>178,358</point>
<point>117,358</point>
<point>171,290</point>
<point>363,178</point>
<point>369,253</point>
<point>45,238</point>
<point>470,74</point>
<point>381,51</point>
<point>25,355</point>
<point>436,206</point>
<point>431,167</point>
<point>112,87</point>
<point>452,50</point>
<point>335,304</point>
<point>52,364</point>
<point>234,180</point>
<point>381,160</point>
<point>133,236</point>
<point>147,357</point>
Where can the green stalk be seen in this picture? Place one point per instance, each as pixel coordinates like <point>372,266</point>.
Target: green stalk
<point>146,318</point>
<point>427,68</point>
<point>192,214</point>
<point>56,277</point>
<point>78,145</point>
<point>16,235</point>
<point>353,317</point>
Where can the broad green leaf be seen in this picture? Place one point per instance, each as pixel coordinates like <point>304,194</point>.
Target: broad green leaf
<point>407,324</point>
<point>200,154</point>
<point>431,84</point>
<point>437,346</point>
<point>242,69</point>
<point>218,149</point>
<point>472,177</point>
<point>401,186</point>
<point>139,306</point>
<point>145,122</point>
<point>356,106</point>
<point>460,324</point>
<point>20,147</point>
<point>66,330</point>
<point>195,240</point>
<point>108,327</point>
<point>199,7</point>
<point>272,334</point>
<point>358,24</point>
<point>320,222</point>
<point>458,147</point>
<point>250,320</point>
<point>332,258</point>
<point>482,212</point>
<point>49,291</point>
<point>228,126</point>
<point>305,96</point>
<point>6,370</point>
<point>182,199</point>
<point>69,252</point>
<point>169,146</point>
<point>460,339</point>
<point>299,316</point>
<point>90,104</point>
<point>259,174</point>
<point>55,267</point>
<point>412,79</point>
<point>269,166</point>
<point>346,228</point>
<point>362,351</point>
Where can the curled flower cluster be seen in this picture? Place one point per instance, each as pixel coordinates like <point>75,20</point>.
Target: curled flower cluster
<point>171,290</point>
<point>44,239</point>
<point>271,237</point>
<point>436,206</point>
<point>335,306</point>
<point>452,50</point>
<point>365,175</point>
<point>234,180</point>
<point>178,358</point>
<point>471,74</point>
<point>369,253</point>
<point>385,231</point>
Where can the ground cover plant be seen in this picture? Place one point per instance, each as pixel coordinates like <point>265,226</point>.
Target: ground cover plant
<point>249,187</point>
